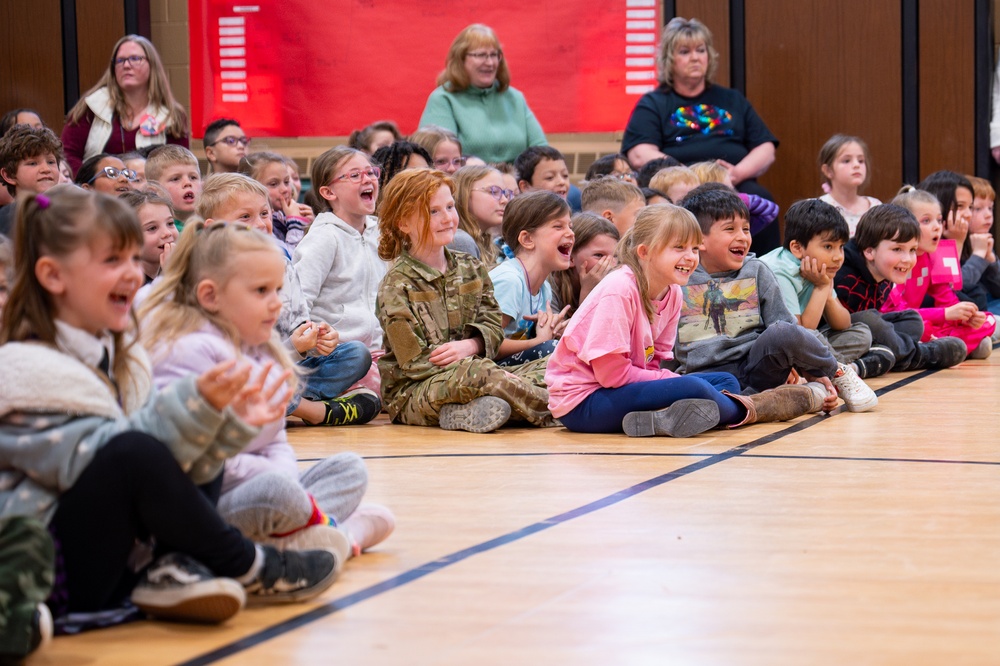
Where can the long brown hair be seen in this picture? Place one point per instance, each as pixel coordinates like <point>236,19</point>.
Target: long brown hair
<point>406,195</point>
<point>65,219</point>
<point>465,178</point>
<point>159,89</point>
<point>586,227</point>
<point>454,78</point>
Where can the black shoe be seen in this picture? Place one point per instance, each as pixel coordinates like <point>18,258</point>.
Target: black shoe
<point>177,587</point>
<point>293,575</point>
<point>942,353</point>
<point>876,362</point>
<point>353,408</point>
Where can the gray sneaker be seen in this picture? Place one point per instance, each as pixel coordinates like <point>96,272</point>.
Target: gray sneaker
<point>484,414</point>
<point>293,575</point>
<point>178,587</point>
<point>684,418</point>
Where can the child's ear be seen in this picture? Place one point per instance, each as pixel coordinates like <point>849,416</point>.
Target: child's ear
<point>524,186</point>
<point>609,216</point>
<point>48,272</point>
<point>207,293</point>
<point>796,249</point>
<point>869,253</point>
<point>6,177</point>
<point>642,252</point>
<point>826,171</point>
<point>327,193</point>
<point>210,154</point>
<point>525,240</point>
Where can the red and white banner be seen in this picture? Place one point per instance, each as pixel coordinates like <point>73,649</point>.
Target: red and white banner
<point>287,68</point>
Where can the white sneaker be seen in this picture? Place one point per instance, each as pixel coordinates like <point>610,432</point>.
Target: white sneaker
<point>857,395</point>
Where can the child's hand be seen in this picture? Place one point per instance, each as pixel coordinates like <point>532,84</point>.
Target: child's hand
<point>289,207</point>
<point>830,401</point>
<point>815,272</point>
<point>559,322</point>
<point>589,279</point>
<point>327,340</point>
<point>305,336</point>
<point>956,229</point>
<point>982,245</point>
<point>794,377</point>
<point>962,311</point>
<point>976,320</point>
<point>220,384</point>
<point>258,404</point>
<point>168,249</point>
<point>455,350</point>
<point>306,212</point>
<point>543,329</point>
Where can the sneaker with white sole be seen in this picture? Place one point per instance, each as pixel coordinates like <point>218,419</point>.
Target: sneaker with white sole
<point>875,362</point>
<point>684,418</point>
<point>178,587</point>
<point>314,537</point>
<point>369,525</point>
<point>355,407</point>
<point>287,576</point>
<point>858,396</point>
<point>483,414</point>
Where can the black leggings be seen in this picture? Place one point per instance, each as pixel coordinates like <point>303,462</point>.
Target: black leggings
<point>134,488</point>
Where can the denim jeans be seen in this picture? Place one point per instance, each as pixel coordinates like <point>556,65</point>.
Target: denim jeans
<point>328,376</point>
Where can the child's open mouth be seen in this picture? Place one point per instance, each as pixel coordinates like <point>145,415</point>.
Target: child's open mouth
<point>189,197</point>
<point>367,193</point>
<point>738,252</point>
<point>565,249</point>
<point>122,300</point>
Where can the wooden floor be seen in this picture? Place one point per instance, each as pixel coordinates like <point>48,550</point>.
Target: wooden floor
<point>848,539</point>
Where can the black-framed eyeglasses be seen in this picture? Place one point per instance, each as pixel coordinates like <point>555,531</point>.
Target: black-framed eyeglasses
<point>457,162</point>
<point>113,173</point>
<point>231,141</point>
<point>134,60</point>
<point>356,176</point>
<point>496,192</point>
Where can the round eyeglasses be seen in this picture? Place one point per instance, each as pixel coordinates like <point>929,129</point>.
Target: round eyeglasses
<point>113,173</point>
<point>496,192</point>
<point>356,176</point>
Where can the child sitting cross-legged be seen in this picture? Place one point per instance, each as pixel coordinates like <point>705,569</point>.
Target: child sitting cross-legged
<point>815,234</point>
<point>735,319</point>
<point>881,254</point>
<point>441,322</point>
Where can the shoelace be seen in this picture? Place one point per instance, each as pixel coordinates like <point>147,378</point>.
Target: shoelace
<point>350,413</point>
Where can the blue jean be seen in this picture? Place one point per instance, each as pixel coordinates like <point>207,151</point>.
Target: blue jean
<point>604,409</point>
<point>328,376</point>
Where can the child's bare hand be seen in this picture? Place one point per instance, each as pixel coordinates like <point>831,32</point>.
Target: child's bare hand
<point>559,322</point>
<point>982,244</point>
<point>168,249</point>
<point>794,377</point>
<point>454,350</point>
<point>589,279</point>
<point>976,320</point>
<point>306,212</point>
<point>259,403</point>
<point>830,401</point>
<point>327,340</point>
<point>962,311</point>
<point>221,383</point>
<point>957,229</point>
<point>815,272</point>
<point>304,338</point>
<point>543,328</point>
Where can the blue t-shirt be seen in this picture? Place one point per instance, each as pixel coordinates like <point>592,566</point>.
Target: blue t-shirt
<point>510,287</point>
<point>795,289</point>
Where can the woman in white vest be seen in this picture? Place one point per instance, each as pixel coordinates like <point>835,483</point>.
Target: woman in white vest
<point>130,108</point>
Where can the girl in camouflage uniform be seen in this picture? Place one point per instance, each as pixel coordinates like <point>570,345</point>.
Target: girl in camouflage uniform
<point>441,321</point>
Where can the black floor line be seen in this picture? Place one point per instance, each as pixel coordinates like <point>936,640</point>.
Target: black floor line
<point>461,555</point>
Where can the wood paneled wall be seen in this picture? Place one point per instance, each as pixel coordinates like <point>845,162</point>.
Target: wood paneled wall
<point>31,55</point>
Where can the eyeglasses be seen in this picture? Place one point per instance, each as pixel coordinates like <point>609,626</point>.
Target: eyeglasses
<point>485,55</point>
<point>231,141</point>
<point>134,60</point>
<point>356,176</point>
<point>457,162</point>
<point>627,175</point>
<point>496,192</point>
<point>112,173</point>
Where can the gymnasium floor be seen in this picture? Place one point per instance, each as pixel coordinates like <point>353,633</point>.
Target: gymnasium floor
<point>845,539</point>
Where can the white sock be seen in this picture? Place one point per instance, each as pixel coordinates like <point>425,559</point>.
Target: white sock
<point>258,564</point>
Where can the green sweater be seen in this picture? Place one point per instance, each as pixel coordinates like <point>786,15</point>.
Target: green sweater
<point>494,126</point>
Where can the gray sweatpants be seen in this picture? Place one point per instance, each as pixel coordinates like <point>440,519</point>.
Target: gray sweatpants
<point>849,344</point>
<point>275,503</point>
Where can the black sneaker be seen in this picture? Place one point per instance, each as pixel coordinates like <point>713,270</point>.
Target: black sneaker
<point>876,362</point>
<point>353,408</point>
<point>293,575</point>
<point>178,587</point>
<point>942,353</point>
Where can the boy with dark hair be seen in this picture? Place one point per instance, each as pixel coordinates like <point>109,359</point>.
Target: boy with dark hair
<point>815,235</point>
<point>225,145</point>
<point>542,168</point>
<point>749,331</point>
<point>881,254</point>
<point>29,162</point>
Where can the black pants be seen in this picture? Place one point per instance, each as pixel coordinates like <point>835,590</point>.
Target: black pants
<point>131,489</point>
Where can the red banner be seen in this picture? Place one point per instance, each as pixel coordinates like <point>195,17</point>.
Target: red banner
<point>287,68</point>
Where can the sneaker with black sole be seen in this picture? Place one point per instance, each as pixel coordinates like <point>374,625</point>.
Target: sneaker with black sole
<point>858,396</point>
<point>875,362</point>
<point>353,408</point>
<point>178,587</point>
<point>684,418</point>
<point>287,576</point>
<point>483,414</point>
<point>944,352</point>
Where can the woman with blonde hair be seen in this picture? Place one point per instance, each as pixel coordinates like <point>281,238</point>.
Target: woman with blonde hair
<point>474,99</point>
<point>130,108</point>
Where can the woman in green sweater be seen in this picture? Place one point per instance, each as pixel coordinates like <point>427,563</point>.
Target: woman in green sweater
<point>474,99</point>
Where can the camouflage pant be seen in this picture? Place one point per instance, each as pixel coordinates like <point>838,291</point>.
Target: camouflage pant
<point>27,570</point>
<point>522,386</point>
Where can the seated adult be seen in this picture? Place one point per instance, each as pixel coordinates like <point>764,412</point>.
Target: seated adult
<point>130,108</point>
<point>692,119</point>
<point>474,100</point>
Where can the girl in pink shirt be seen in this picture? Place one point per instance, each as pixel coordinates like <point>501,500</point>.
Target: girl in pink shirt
<point>605,373</point>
